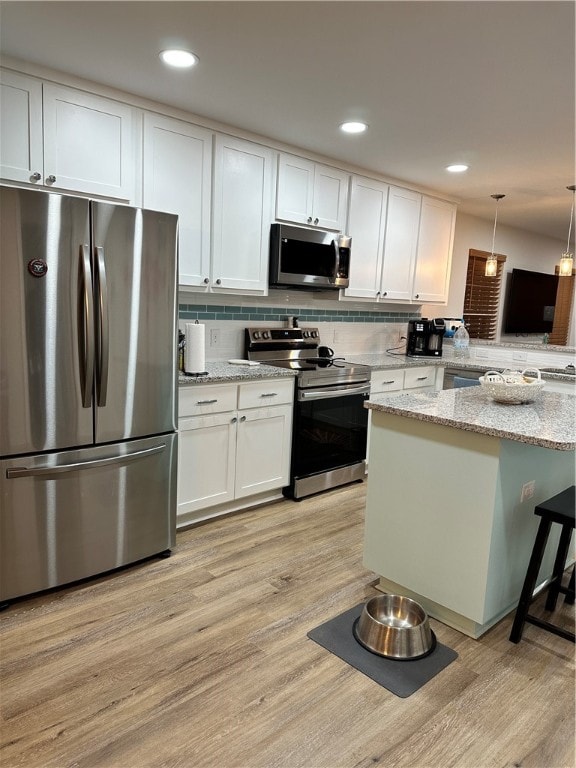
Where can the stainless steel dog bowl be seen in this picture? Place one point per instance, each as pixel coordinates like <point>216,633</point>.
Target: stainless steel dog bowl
<point>395,627</point>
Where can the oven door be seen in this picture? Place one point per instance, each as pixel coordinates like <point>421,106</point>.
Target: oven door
<point>330,428</point>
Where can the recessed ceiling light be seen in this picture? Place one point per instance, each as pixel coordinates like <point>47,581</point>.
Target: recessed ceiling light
<point>457,168</point>
<point>353,127</point>
<point>178,58</point>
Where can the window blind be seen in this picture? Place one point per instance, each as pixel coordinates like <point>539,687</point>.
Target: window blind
<point>564,296</point>
<point>482,296</point>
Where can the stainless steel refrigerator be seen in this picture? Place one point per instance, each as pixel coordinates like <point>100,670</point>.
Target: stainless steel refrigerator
<point>88,449</point>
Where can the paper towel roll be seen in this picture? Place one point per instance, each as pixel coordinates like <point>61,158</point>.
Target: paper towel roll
<point>194,351</point>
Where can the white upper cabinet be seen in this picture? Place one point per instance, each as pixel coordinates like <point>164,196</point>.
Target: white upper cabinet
<point>66,139</point>
<point>311,194</point>
<point>400,244</point>
<point>21,156</point>
<point>87,143</point>
<point>177,178</point>
<point>241,216</point>
<point>434,257</point>
<point>366,226</point>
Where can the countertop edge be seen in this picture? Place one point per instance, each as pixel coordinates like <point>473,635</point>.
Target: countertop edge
<point>466,427</point>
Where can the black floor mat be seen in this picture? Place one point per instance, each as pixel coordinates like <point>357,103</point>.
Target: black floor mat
<point>401,678</point>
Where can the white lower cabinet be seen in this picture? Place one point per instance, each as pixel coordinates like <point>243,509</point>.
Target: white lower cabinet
<point>234,443</point>
<point>421,378</point>
<point>263,450</point>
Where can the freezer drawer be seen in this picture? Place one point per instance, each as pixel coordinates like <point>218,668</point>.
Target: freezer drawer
<point>74,514</point>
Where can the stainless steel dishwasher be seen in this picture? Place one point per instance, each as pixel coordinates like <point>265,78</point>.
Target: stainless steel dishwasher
<point>455,377</point>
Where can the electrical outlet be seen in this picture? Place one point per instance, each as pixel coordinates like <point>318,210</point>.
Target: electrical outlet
<point>214,337</point>
<point>527,490</point>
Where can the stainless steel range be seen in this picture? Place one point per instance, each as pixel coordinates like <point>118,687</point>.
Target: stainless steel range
<point>330,422</point>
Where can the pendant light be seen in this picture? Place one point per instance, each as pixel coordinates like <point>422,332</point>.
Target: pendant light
<point>567,260</point>
<point>492,262</point>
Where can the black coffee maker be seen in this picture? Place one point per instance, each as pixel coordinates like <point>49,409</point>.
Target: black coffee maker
<point>425,337</point>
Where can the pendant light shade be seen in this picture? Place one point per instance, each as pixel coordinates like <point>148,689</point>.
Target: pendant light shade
<point>567,260</point>
<point>491,269</point>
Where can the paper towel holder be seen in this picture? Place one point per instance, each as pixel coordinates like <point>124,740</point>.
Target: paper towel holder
<point>198,373</point>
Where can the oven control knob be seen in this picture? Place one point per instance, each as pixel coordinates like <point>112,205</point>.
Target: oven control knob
<point>306,334</point>
<point>266,334</point>
<point>314,334</point>
<point>256,334</point>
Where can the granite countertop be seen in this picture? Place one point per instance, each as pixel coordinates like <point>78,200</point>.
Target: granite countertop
<point>383,360</point>
<point>549,422</point>
<point>224,371</point>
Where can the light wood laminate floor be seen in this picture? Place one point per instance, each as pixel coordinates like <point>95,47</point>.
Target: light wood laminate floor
<point>202,661</point>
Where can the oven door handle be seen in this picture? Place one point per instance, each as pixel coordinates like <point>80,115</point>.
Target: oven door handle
<point>328,392</point>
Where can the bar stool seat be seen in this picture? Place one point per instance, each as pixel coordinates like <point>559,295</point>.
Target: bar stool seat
<point>559,509</point>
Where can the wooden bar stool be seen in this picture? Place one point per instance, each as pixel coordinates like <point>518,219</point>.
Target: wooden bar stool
<point>559,509</point>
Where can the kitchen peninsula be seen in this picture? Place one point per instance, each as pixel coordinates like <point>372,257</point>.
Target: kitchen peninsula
<point>449,510</point>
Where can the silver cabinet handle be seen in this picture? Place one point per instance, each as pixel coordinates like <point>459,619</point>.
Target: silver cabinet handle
<point>242,418</point>
<point>50,179</point>
<point>233,420</point>
<point>385,293</point>
<point>36,176</point>
<point>316,221</point>
<point>417,296</point>
<point>86,331</point>
<point>102,326</point>
<point>269,394</point>
<point>206,280</point>
<point>421,378</point>
<point>218,282</point>
<point>388,382</point>
<point>309,220</point>
<point>77,465</point>
<point>206,402</point>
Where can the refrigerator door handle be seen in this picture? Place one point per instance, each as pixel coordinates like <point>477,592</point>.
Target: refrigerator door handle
<point>103,327</point>
<point>75,466</point>
<point>87,329</point>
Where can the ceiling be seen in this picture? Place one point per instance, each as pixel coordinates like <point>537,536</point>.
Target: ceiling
<point>490,84</point>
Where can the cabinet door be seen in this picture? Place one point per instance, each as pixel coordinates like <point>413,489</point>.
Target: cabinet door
<point>400,243</point>
<point>330,198</point>
<point>263,449</point>
<point>435,241</point>
<point>242,215</point>
<point>366,226</point>
<point>20,128</point>
<point>206,457</point>
<point>295,189</point>
<point>177,178</point>
<point>87,143</point>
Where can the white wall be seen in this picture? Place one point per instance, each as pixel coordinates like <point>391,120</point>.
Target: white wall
<point>522,249</point>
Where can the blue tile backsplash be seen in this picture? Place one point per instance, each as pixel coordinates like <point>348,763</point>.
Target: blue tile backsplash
<point>305,315</point>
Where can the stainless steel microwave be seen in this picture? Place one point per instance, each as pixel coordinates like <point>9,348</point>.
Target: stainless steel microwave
<point>308,258</point>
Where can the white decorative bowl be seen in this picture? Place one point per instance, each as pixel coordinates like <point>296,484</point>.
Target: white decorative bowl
<point>514,387</point>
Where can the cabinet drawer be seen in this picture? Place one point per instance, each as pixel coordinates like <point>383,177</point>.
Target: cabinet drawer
<point>198,401</point>
<point>255,394</point>
<point>386,381</point>
<point>419,377</point>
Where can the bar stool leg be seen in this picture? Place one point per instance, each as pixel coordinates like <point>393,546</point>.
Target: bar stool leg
<point>559,565</point>
<point>569,599</point>
<point>530,580</point>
